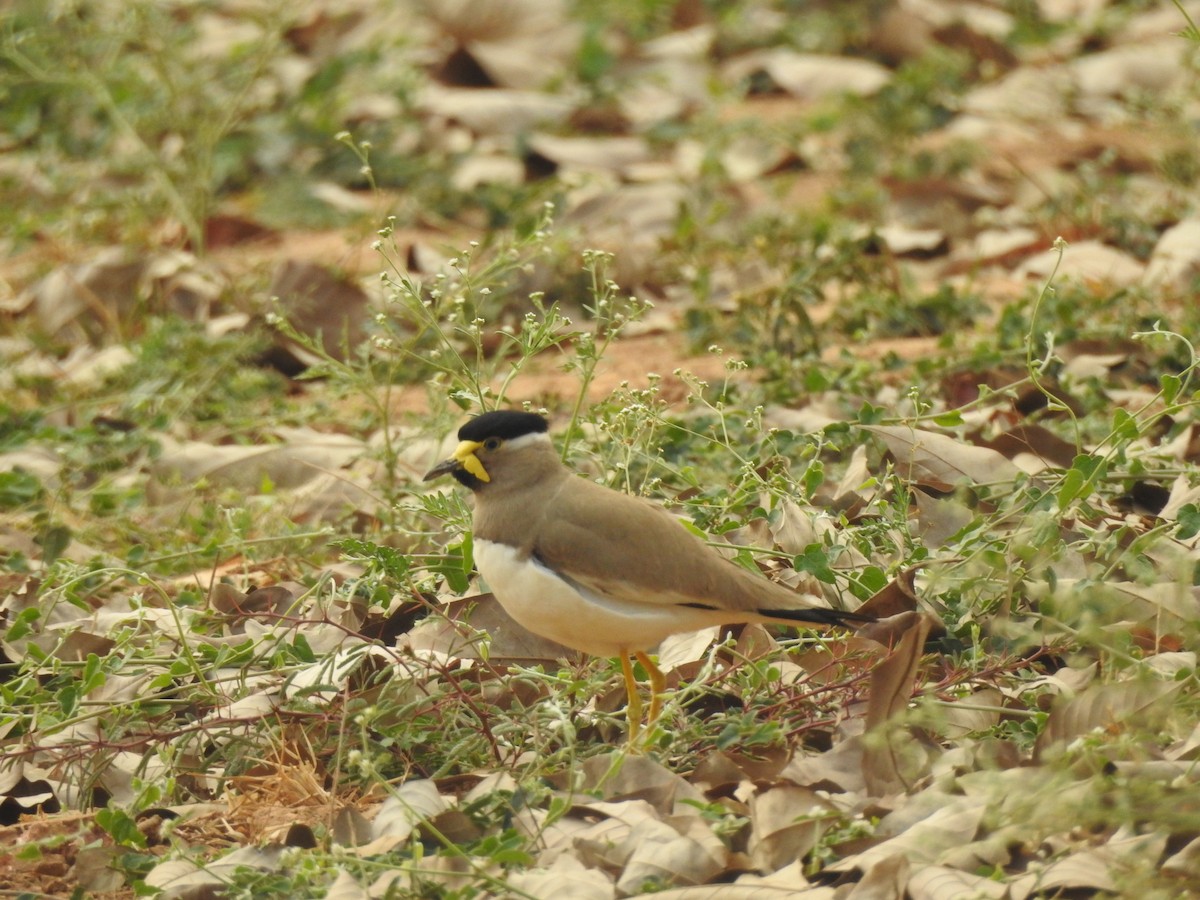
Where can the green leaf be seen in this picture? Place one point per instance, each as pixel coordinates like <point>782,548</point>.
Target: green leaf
<point>1170,385</point>
<point>120,827</point>
<point>1071,487</point>
<point>814,561</point>
<point>68,698</point>
<point>814,477</point>
<point>18,488</point>
<point>949,419</point>
<point>1189,521</point>
<point>456,565</point>
<point>1125,426</point>
<point>54,541</point>
<point>93,675</point>
<point>1079,480</point>
<point>871,415</point>
<point>22,624</point>
<point>386,561</point>
<point>873,578</point>
<point>302,650</point>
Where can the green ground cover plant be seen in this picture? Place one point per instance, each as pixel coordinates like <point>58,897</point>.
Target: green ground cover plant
<point>244,647</point>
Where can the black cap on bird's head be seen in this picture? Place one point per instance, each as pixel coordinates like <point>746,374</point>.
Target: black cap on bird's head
<point>505,424</point>
<point>485,432</point>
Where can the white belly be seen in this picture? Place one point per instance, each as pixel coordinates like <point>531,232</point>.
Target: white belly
<point>548,606</point>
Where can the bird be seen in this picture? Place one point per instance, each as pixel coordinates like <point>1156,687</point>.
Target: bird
<point>595,569</point>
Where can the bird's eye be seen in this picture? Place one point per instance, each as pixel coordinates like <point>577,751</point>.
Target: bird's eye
<point>491,444</point>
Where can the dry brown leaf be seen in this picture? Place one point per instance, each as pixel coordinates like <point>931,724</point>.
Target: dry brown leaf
<point>411,804</point>
<point>947,823</point>
<point>887,757</point>
<point>686,647</point>
<point>993,850</point>
<point>629,220</point>
<point>1025,94</point>
<point>749,891</point>
<point>178,878</point>
<point>495,112</point>
<point>603,844</point>
<point>618,776</point>
<point>467,619</point>
<point>23,790</point>
<point>940,518</point>
<point>838,769</point>
<point>96,869</point>
<point>749,158</point>
<point>350,828</point>
<point>1152,66</point>
<point>971,714</point>
<point>478,170</point>
<point>787,823</point>
<point>451,870</point>
<point>901,240</point>
<point>90,367</point>
<point>1187,748</point>
<point>597,154</point>
<point>896,597</point>
<point>1182,493</point>
<point>94,296</point>
<point>940,461</point>
<point>1139,705</point>
<point>660,854</point>
<point>884,880</point>
<point>792,529</point>
<point>1175,261</point>
<point>942,883</point>
<point>1122,600</point>
<point>346,887</point>
<point>1036,441</point>
<point>852,490</point>
<point>1185,863</point>
<point>811,76</point>
<point>39,461</point>
<point>320,305</point>
<point>336,668</point>
<point>1090,262</point>
<point>565,878</point>
<point>523,44</point>
<point>1080,871</point>
<point>303,455</point>
<point>663,89</point>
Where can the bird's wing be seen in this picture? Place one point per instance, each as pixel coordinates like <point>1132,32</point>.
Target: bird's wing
<point>635,551</point>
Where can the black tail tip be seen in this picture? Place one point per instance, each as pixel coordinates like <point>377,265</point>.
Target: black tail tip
<point>817,616</point>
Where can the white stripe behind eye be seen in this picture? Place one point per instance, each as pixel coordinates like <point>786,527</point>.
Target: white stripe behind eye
<point>527,439</point>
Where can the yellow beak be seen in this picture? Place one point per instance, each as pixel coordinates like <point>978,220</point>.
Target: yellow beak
<point>463,458</point>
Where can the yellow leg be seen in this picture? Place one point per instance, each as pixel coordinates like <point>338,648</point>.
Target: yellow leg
<point>633,709</point>
<point>658,686</point>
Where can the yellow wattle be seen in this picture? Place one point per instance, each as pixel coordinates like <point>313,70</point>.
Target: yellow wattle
<point>465,454</point>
